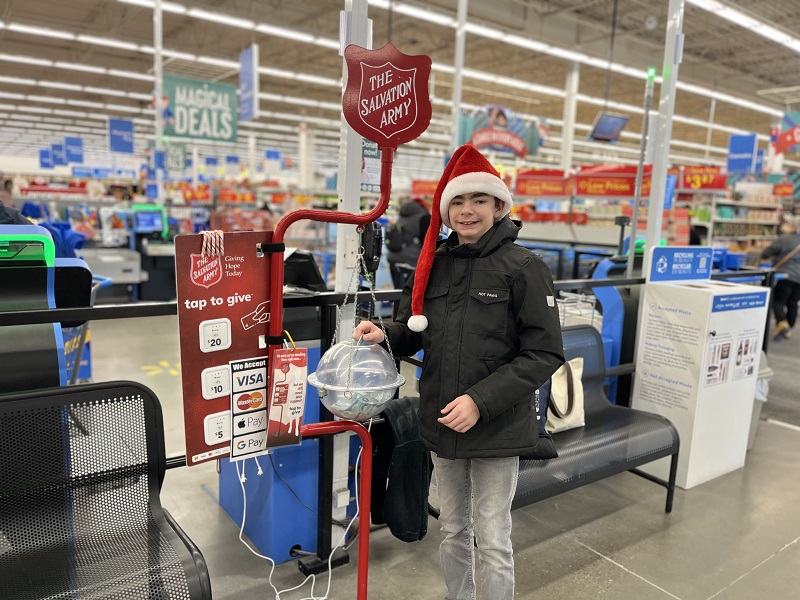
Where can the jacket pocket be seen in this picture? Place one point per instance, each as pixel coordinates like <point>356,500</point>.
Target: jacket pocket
<point>489,310</point>
<point>435,306</point>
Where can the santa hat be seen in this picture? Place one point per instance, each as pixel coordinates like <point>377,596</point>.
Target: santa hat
<point>467,172</point>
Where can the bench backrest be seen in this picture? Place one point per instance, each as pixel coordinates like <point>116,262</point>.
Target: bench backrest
<point>585,341</point>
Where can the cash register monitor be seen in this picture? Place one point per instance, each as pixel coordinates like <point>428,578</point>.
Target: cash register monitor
<point>148,222</point>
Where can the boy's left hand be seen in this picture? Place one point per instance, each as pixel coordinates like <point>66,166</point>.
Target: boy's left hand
<point>461,414</point>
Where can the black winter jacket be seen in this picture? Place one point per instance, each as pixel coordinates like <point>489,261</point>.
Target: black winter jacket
<point>493,333</point>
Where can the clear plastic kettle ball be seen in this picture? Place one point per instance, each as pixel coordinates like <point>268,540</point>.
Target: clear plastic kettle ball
<point>356,380</point>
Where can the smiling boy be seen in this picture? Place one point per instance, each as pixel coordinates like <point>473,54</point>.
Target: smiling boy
<point>483,309</point>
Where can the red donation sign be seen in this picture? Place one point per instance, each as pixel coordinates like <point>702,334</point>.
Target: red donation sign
<point>386,99</point>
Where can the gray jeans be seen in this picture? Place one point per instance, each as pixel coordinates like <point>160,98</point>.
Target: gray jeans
<point>475,495</point>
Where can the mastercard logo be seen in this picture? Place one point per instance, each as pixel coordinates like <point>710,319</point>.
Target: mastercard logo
<point>250,401</point>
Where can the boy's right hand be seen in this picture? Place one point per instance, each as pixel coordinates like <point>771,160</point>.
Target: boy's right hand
<point>369,332</point>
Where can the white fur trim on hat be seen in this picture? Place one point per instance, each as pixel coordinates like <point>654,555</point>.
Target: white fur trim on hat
<point>471,183</point>
<point>418,323</point>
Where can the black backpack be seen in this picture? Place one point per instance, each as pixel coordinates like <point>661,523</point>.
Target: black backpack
<point>394,237</point>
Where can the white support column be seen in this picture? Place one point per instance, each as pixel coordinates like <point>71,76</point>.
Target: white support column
<point>305,151</point>
<point>195,165</point>
<point>159,77</point>
<point>570,110</point>
<point>349,184</point>
<point>349,191</point>
<point>251,156</point>
<point>461,35</point>
<point>673,49</point>
<point>709,131</point>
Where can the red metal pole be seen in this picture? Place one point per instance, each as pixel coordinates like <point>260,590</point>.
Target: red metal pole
<point>365,491</point>
<point>327,216</point>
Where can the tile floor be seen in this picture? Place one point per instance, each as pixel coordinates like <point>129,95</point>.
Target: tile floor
<point>734,538</point>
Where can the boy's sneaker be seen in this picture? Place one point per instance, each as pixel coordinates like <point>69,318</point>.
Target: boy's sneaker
<point>782,330</point>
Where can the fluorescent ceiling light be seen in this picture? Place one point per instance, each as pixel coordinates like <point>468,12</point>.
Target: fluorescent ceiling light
<point>130,75</point>
<point>46,99</point>
<point>80,67</point>
<point>85,103</point>
<point>176,54</point>
<point>121,108</point>
<point>290,34</point>
<point>220,18</point>
<point>52,33</point>
<point>17,80</point>
<point>103,91</point>
<point>60,85</point>
<point>218,62</point>
<point>112,43</point>
<point>317,79</point>
<point>26,60</point>
<point>36,109</point>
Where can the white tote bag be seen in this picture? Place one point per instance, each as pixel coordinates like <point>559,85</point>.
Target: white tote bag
<point>566,398</point>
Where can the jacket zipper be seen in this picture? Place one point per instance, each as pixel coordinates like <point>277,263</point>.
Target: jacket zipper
<point>461,338</point>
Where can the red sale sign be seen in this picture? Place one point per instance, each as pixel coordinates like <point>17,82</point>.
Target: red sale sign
<point>386,99</point>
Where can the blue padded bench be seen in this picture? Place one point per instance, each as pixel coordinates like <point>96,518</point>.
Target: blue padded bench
<point>615,439</point>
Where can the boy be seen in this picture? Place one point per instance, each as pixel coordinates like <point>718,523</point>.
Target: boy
<point>484,311</point>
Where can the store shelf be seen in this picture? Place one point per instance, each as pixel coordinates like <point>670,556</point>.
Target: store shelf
<point>766,205</point>
<point>743,237</point>
<point>748,221</point>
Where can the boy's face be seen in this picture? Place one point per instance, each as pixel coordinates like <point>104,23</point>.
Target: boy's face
<point>472,215</point>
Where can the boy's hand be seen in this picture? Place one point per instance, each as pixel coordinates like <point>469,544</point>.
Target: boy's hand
<point>461,414</point>
<point>369,331</point>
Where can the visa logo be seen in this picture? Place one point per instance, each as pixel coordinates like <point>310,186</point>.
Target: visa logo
<point>248,380</point>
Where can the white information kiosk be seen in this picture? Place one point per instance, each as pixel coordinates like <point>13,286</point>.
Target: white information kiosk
<point>697,361</point>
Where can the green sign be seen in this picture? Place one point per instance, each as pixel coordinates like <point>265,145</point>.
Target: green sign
<point>200,110</point>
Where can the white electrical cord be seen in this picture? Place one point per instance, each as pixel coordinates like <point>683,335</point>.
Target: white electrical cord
<point>341,542</point>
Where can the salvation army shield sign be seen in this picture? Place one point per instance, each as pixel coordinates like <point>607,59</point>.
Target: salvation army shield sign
<point>387,99</point>
<point>206,270</point>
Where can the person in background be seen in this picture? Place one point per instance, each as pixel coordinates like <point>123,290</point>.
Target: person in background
<point>483,309</point>
<point>6,193</point>
<point>785,253</point>
<point>412,225</point>
<point>11,216</point>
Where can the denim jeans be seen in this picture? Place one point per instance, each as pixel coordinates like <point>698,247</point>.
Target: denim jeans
<point>475,495</point>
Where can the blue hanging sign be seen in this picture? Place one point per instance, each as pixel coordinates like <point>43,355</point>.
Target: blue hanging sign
<point>120,136</point>
<point>676,263</point>
<point>102,173</point>
<point>742,153</point>
<point>73,148</point>
<point>248,84</point>
<point>81,172</point>
<point>59,157</point>
<point>45,158</point>
<point>271,154</point>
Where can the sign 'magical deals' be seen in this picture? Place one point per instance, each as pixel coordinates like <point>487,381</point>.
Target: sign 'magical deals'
<point>386,99</point>
<point>197,109</point>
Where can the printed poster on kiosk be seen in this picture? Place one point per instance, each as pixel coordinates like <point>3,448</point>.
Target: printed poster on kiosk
<point>223,315</point>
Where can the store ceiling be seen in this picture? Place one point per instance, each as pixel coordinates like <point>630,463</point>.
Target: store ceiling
<point>718,55</point>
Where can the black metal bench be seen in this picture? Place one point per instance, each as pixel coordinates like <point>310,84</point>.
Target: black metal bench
<point>80,515</point>
<point>615,439</point>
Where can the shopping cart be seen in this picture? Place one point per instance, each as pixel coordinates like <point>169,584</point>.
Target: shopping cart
<point>78,362</point>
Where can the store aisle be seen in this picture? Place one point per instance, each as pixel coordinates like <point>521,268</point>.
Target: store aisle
<point>734,538</point>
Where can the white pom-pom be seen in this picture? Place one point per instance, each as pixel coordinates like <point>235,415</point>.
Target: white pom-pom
<point>418,323</point>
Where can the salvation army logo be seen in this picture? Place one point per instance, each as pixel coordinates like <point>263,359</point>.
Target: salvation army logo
<point>206,270</point>
<point>661,265</point>
<point>386,99</point>
<point>391,107</point>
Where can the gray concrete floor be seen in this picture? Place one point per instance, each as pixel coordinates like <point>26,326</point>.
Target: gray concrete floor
<point>734,538</point>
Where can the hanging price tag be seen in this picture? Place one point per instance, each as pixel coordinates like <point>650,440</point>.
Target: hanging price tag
<point>288,394</point>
